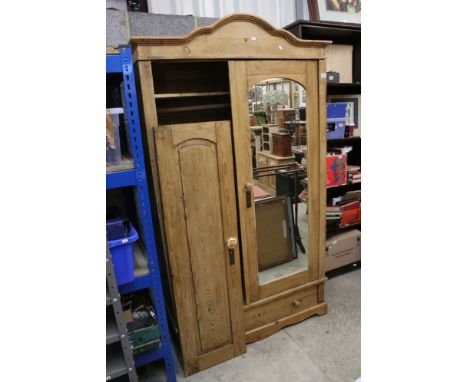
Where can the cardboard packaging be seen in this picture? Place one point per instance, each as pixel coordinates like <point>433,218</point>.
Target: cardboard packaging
<point>340,59</point>
<point>343,249</point>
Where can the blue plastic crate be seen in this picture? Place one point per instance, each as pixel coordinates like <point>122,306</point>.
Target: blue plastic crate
<point>122,257</point>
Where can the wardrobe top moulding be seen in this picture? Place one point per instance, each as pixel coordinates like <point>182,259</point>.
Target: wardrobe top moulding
<point>238,36</point>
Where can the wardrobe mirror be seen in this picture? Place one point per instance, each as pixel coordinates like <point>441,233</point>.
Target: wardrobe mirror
<point>277,113</point>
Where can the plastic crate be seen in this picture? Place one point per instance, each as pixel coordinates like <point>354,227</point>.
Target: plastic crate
<point>122,257</point>
<point>113,149</point>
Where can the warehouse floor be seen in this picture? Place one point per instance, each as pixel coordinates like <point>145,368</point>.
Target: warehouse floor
<point>319,349</point>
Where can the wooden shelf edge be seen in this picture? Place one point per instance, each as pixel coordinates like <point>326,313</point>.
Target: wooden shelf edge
<point>343,185</point>
<point>183,95</point>
<point>195,107</point>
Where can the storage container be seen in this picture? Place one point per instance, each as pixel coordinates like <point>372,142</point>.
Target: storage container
<point>283,115</point>
<point>116,228</point>
<point>281,144</point>
<point>336,120</point>
<point>113,151</point>
<point>122,256</point>
<point>343,249</point>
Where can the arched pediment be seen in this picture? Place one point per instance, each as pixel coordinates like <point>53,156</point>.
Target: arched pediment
<point>238,36</point>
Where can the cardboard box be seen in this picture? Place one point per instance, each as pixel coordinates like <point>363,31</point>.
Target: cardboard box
<point>343,249</point>
<point>340,59</point>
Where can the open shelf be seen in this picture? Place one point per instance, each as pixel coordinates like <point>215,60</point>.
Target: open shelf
<point>140,260</point>
<point>191,92</point>
<point>115,363</point>
<point>343,140</point>
<point>350,226</point>
<point>347,185</point>
<point>194,107</point>
<point>339,230</point>
<point>147,357</point>
<point>184,95</point>
<point>142,274</point>
<point>112,334</point>
<point>125,164</point>
<point>108,298</point>
<point>333,192</point>
<point>341,88</point>
<point>339,33</point>
<point>190,77</point>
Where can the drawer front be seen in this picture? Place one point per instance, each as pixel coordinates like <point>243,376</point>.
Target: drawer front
<point>257,314</point>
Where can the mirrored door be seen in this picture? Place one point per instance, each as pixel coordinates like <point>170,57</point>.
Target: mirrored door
<point>278,131</point>
<point>276,134</point>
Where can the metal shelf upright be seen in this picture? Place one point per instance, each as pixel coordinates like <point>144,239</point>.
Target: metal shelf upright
<point>136,177</point>
<point>119,357</point>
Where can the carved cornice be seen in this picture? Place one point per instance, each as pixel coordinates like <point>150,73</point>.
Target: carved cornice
<point>209,30</point>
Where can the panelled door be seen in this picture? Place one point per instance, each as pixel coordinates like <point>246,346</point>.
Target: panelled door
<point>195,165</point>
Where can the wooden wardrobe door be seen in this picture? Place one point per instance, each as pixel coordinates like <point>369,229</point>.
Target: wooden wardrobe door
<point>196,174</point>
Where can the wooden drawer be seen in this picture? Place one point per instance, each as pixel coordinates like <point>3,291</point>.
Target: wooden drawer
<point>264,317</point>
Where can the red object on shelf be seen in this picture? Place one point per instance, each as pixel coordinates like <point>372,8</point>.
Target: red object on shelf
<point>336,170</point>
<point>350,214</point>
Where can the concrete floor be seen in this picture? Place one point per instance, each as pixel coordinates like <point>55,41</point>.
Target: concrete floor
<point>319,349</point>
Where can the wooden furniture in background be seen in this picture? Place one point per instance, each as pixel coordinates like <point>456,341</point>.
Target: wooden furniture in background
<point>265,159</point>
<point>194,99</point>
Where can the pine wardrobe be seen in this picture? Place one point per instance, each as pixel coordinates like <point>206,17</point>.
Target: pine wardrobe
<point>199,95</point>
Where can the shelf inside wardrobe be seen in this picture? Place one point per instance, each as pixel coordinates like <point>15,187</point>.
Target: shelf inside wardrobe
<point>188,91</point>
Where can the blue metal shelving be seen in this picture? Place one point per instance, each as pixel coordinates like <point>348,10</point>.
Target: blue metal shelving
<point>136,177</point>
<point>124,178</point>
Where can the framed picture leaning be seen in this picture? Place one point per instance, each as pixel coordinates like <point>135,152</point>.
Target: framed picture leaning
<point>341,11</point>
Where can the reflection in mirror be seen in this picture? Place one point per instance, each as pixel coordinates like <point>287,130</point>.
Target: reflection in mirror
<point>277,109</point>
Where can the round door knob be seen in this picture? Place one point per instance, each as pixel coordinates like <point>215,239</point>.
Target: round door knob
<point>232,243</point>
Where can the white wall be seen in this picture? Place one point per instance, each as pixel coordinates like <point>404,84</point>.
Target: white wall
<point>278,12</point>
